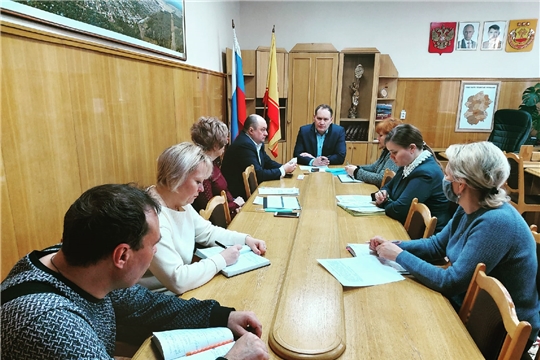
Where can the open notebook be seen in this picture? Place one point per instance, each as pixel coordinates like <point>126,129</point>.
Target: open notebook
<point>247,260</point>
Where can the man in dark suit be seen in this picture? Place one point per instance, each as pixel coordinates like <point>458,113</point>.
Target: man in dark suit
<point>321,143</point>
<point>247,149</point>
<point>467,42</point>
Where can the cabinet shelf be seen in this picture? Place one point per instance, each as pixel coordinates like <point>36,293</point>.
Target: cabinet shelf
<point>352,119</point>
<point>386,99</point>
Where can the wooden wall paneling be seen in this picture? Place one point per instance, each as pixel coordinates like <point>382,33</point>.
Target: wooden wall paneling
<point>432,106</point>
<point>511,92</point>
<point>10,253</point>
<point>38,141</point>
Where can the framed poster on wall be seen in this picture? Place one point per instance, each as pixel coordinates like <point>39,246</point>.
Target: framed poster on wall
<point>477,105</point>
<point>157,26</point>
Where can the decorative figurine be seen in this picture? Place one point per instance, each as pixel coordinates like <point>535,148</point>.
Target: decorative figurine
<point>355,89</point>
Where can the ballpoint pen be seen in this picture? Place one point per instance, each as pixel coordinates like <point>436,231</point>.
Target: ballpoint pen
<point>220,244</point>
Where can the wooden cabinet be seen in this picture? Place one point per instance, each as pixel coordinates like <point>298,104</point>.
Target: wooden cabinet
<point>358,112</point>
<point>313,70</point>
<point>359,153</point>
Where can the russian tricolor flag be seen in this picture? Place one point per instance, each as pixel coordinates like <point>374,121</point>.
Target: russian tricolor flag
<point>238,101</point>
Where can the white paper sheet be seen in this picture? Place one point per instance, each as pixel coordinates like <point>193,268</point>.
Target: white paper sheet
<point>360,271</point>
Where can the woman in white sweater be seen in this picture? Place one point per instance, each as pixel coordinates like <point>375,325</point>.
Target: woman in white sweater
<point>182,168</point>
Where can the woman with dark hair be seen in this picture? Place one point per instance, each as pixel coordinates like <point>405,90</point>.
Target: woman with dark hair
<point>419,176</point>
<point>211,135</point>
<point>373,173</point>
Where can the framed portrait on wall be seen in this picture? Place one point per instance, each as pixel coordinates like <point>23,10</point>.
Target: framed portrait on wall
<point>493,35</point>
<point>477,105</point>
<point>467,35</point>
<point>157,26</point>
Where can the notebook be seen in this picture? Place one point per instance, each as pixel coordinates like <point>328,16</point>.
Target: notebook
<point>247,260</point>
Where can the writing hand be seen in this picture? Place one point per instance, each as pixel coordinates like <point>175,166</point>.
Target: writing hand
<point>350,169</point>
<point>248,347</point>
<point>388,250</point>
<point>374,242</point>
<point>231,254</point>
<point>381,197</point>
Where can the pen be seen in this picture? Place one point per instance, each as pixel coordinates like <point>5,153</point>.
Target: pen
<point>220,244</point>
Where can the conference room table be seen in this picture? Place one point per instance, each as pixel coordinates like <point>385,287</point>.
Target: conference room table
<point>305,312</point>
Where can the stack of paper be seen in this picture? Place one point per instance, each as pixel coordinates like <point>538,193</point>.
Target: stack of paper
<point>280,203</point>
<point>278,191</point>
<point>358,205</point>
<point>360,271</point>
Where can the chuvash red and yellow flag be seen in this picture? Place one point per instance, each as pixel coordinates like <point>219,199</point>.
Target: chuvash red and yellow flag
<point>271,100</point>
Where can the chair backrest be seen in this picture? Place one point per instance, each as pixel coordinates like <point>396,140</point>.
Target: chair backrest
<point>217,211</point>
<point>536,236</point>
<point>419,223</point>
<point>250,180</point>
<point>515,184</point>
<point>387,176</point>
<point>511,129</point>
<point>489,315</point>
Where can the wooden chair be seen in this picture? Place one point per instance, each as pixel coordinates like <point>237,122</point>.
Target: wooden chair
<point>419,223</point>
<point>387,176</point>
<point>515,185</point>
<point>217,211</point>
<point>250,180</point>
<point>489,315</point>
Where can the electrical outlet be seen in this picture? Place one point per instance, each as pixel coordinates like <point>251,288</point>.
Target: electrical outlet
<point>403,115</point>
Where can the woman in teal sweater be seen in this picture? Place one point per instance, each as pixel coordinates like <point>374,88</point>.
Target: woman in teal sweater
<point>485,229</point>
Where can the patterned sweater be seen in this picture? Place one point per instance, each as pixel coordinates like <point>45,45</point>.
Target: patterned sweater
<point>76,325</point>
<point>373,173</point>
<point>499,238</point>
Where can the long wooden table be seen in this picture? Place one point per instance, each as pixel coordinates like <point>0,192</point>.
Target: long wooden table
<point>306,313</point>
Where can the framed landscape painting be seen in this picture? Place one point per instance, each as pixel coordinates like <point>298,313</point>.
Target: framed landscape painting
<point>154,25</point>
<point>477,104</point>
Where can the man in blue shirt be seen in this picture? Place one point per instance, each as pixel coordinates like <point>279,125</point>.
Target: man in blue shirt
<point>321,143</point>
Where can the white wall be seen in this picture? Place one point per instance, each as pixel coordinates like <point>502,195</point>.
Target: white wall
<point>209,31</point>
<point>400,29</point>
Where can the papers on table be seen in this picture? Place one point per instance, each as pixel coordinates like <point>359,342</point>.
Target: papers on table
<point>360,250</point>
<point>278,191</point>
<point>336,171</point>
<point>280,203</point>
<point>360,271</point>
<point>358,205</point>
<point>346,178</point>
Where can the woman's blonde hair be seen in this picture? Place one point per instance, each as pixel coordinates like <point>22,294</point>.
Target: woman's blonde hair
<point>177,162</point>
<point>483,167</point>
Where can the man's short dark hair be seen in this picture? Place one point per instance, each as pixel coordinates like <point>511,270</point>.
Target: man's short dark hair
<point>494,27</point>
<point>104,217</point>
<point>324,107</point>
<point>252,121</point>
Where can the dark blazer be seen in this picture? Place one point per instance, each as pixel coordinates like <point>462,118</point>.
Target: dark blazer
<point>334,147</point>
<point>424,183</point>
<point>463,44</point>
<point>242,153</point>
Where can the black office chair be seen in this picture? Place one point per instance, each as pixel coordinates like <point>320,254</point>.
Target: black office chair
<point>511,129</point>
